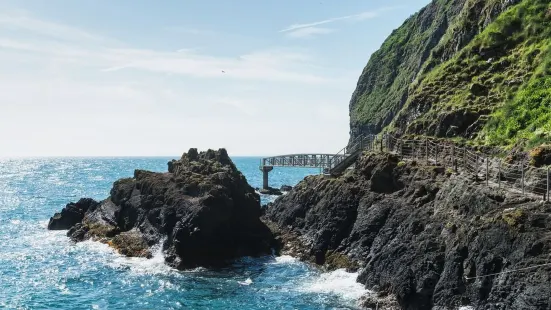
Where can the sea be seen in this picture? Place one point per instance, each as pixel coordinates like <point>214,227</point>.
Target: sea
<point>41,269</point>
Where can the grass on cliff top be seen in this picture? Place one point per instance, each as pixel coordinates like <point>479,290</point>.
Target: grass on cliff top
<point>392,68</point>
<point>526,117</point>
<point>510,60</point>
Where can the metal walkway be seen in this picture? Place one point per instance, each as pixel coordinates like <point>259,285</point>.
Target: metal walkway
<point>515,177</point>
<point>331,164</point>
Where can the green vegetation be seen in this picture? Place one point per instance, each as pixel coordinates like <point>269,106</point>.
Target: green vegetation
<point>513,217</point>
<point>491,87</point>
<point>386,78</point>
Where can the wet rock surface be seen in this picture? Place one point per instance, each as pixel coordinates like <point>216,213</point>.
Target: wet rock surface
<point>270,191</point>
<point>202,210</point>
<point>420,236</point>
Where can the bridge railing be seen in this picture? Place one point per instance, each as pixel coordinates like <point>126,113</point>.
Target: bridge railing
<point>366,142</point>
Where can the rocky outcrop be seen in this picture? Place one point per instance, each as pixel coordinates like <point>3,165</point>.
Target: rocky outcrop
<point>270,191</point>
<point>72,214</point>
<point>202,209</point>
<point>423,237</point>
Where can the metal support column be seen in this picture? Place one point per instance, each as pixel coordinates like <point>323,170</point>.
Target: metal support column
<point>487,172</point>
<point>499,175</point>
<point>427,151</point>
<point>265,170</point>
<point>547,191</point>
<point>522,175</point>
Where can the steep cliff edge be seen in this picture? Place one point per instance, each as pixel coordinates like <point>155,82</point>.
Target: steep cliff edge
<point>473,69</point>
<point>421,235</point>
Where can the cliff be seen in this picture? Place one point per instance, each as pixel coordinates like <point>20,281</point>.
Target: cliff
<point>472,69</point>
<point>202,212</point>
<point>422,237</point>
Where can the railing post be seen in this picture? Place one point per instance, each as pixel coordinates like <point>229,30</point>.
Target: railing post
<point>382,137</point>
<point>454,167</point>
<point>401,148</point>
<point>476,166</point>
<point>427,151</point>
<point>465,158</point>
<point>522,175</point>
<point>499,175</point>
<point>547,191</point>
<point>487,172</point>
<point>436,154</point>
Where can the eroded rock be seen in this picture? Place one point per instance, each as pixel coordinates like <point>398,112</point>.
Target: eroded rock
<point>203,209</point>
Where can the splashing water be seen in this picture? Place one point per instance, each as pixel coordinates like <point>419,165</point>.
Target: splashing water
<point>41,269</point>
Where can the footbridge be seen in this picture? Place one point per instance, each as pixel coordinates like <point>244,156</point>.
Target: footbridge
<point>330,164</point>
<point>515,177</point>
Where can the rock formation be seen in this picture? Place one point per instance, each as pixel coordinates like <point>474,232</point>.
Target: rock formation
<point>422,236</point>
<point>202,207</point>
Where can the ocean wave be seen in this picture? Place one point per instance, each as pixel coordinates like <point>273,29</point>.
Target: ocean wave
<point>337,282</point>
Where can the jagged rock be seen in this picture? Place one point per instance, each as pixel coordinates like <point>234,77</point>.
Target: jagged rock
<point>72,214</point>
<point>270,191</point>
<point>478,89</point>
<point>419,234</point>
<point>203,209</point>
<point>540,156</point>
<point>286,188</point>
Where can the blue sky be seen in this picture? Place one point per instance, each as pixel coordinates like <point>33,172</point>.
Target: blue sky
<point>136,77</point>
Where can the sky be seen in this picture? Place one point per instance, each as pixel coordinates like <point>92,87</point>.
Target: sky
<point>155,78</point>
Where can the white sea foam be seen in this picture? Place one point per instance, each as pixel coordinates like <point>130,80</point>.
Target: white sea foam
<point>246,282</point>
<point>466,308</point>
<point>337,282</point>
<point>285,259</point>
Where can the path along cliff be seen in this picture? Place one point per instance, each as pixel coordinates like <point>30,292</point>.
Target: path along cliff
<point>422,237</point>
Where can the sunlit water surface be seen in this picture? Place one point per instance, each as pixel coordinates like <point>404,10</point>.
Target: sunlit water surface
<point>41,269</point>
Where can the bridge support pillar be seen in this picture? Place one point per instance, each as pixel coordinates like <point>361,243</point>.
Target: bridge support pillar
<point>265,170</point>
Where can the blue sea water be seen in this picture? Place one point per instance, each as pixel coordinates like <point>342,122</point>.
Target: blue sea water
<point>41,269</point>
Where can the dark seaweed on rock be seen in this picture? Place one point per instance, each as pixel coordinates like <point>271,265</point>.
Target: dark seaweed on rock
<point>417,233</point>
<point>202,207</point>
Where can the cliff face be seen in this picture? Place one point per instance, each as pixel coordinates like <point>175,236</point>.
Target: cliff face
<point>421,236</point>
<point>462,68</point>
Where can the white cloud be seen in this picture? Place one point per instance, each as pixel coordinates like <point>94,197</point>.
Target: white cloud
<point>308,32</point>
<point>294,28</point>
<point>67,91</point>
<point>190,30</point>
<point>24,21</point>
<point>279,65</point>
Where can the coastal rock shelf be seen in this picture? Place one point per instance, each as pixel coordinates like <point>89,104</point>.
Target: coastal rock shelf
<point>202,209</point>
<point>422,237</point>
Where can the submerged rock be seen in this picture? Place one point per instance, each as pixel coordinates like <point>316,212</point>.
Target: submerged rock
<point>270,191</point>
<point>286,188</point>
<point>72,214</point>
<point>202,207</point>
<point>420,236</point>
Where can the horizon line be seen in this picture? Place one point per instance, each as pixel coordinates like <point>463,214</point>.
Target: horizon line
<point>112,156</point>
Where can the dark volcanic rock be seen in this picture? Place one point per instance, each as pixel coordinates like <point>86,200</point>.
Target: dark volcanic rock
<point>286,188</point>
<point>202,210</point>
<point>70,215</point>
<point>429,239</point>
<point>271,191</point>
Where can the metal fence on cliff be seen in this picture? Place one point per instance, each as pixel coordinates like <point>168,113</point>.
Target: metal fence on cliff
<point>514,177</point>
